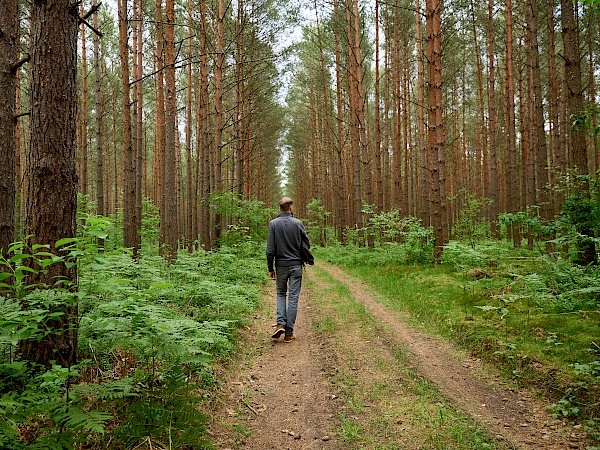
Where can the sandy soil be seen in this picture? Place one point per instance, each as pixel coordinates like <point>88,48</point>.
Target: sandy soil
<point>281,396</point>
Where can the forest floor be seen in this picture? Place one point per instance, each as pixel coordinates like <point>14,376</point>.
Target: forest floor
<point>358,376</point>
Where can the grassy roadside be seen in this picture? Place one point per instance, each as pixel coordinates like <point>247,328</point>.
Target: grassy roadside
<point>496,316</point>
<point>386,405</point>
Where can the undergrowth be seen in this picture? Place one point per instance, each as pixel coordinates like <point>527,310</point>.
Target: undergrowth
<point>535,316</point>
<point>147,330</point>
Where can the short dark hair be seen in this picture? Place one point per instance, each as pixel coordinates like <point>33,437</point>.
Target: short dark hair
<point>285,203</point>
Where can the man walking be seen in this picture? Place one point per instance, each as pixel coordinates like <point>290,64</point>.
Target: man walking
<point>284,262</point>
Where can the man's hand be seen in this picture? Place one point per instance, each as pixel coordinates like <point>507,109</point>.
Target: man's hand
<point>272,275</point>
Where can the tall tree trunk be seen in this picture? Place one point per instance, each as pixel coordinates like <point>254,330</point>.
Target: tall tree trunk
<point>354,115</point>
<point>114,159</point>
<point>539,141</point>
<point>99,111</point>
<point>360,112</point>
<point>160,143</point>
<point>572,62</point>
<point>424,188</point>
<point>595,153</point>
<point>218,117</point>
<point>378,172</point>
<point>493,188</point>
<point>343,212</point>
<point>239,100</point>
<point>189,181</point>
<point>511,157</point>
<point>129,220</point>
<point>139,138</point>
<point>557,152</point>
<point>170,175</point>
<point>84,94</point>
<point>435,126</point>
<point>481,170</point>
<point>9,53</point>
<point>204,148</point>
<point>51,204</point>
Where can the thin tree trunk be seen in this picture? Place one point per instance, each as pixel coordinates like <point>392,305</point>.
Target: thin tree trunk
<point>378,172</point>
<point>9,53</point>
<point>238,101</point>
<point>114,146</point>
<point>139,139</point>
<point>354,119</point>
<point>494,190</point>
<point>218,117</point>
<point>424,189</point>
<point>557,151</point>
<point>512,177</point>
<point>592,95</point>
<point>83,142</point>
<point>160,144</point>
<point>170,174</point>
<point>189,182</point>
<point>572,62</point>
<point>341,171</point>
<point>129,219</point>
<point>99,120</point>
<point>481,133</point>
<point>204,133</point>
<point>539,142</point>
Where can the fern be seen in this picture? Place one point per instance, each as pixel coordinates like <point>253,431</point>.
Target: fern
<point>76,419</point>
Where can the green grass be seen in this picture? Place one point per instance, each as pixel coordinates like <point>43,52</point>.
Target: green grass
<point>386,404</point>
<point>509,317</point>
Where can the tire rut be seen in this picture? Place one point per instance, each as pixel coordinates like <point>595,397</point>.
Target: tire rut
<point>512,416</point>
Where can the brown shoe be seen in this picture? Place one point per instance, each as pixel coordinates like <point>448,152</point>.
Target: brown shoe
<point>289,338</point>
<point>279,331</point>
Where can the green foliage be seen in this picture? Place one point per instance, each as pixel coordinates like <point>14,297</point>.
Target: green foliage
<point>484,255</point>
<point>470,223</point>
<point>396,239</point>
<point>248,216</point>
<point>415,245</point>
<point>33,397</point>
<point>150,223</point>
<point>534,316</point>
<point>149,329</point>
<point>578,225</point>
<point>316,225</point>
<point>167,414</point>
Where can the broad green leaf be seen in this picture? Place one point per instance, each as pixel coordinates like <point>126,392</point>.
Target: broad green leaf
<point>98,233</point>
<point>18,246</point>
<point>65,241</point>
<point>5,275</point>
<point>35,247</point>
<point>20,257</point>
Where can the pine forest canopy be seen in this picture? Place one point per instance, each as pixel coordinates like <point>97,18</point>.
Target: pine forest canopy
<point>400,104</point>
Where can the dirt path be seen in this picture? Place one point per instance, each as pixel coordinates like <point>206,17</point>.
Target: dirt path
<point>340,385</point>
<point>281,398</point>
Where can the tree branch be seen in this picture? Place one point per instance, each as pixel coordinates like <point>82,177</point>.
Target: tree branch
<point>22,115</point>
<point>85,22</point>
<point>18,65</point>
<point>93,10</point>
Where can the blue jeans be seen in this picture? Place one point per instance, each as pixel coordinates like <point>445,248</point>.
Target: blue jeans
<point>289,281</point>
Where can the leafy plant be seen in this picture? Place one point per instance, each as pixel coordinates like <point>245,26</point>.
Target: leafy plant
<point>318,231</point>
<point>248,217</point>
<point>471,224</point>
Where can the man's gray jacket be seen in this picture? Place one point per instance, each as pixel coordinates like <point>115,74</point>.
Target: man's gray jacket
<point>286,234</point>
